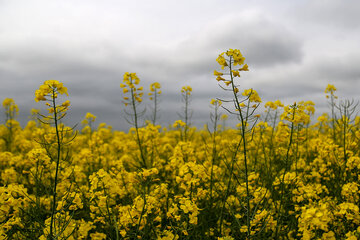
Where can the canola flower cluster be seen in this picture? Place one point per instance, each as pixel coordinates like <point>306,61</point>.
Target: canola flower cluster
<point>154,90</point>
<point>186,90</point>
<point>302,181</point>
<point>130,82</point>
<point>50,87</point>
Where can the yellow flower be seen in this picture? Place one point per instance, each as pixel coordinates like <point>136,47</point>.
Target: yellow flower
<point>252,94</point>
<point>224,117</point>
<point>236,55</point>
<point>179,123</point>
<point>330,88</point>
<point>7,102</point>
<point>130,81</point>
<point>235,73</point>
<point>97,236</point>
<point>221,60</point>
<point>66,104</point>
<point>186,89</point>
<point>154,86</point>
<point>39,96</point>
<point>244,68</point>
<point>51,88</point>
<point>10,107</point>
<point>220,78</point>
<point>216,73</point>
<point>90,117</point>
<point>215,102</point>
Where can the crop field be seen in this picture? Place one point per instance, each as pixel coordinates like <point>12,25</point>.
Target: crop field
<point>279,174</point>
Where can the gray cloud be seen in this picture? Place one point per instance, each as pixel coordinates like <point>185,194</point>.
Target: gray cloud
<point>89,45</point>
<point>330,13</point>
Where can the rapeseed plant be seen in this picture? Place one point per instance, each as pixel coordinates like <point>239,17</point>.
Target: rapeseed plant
<point>49,92</point>
<point>187,113</point>
<point>154,95</point>
<point>129,85</point>
<point>11,111</point>
<point>234,62</point>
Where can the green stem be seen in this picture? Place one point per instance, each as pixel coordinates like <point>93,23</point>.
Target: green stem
<point>213,156</point>
<point>155,106</point>
<point>243,132</point>
<point>133,103</point>
<point>283,176</point>
<point>186,115</point>
<point>57,164</point>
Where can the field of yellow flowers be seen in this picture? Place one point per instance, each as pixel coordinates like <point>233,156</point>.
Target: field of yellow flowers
<point>276,175</point>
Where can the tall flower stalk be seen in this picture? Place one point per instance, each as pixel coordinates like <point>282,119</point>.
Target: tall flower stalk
<point>49,93</point>
<point>11,111</point>
<point>154,97</point>
<point>331,89</point>
<point>130,86</point>
<point>245,106</point>
<point>186,115</point>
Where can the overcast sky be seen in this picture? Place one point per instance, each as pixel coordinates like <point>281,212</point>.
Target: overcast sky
<point>293,49</point>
